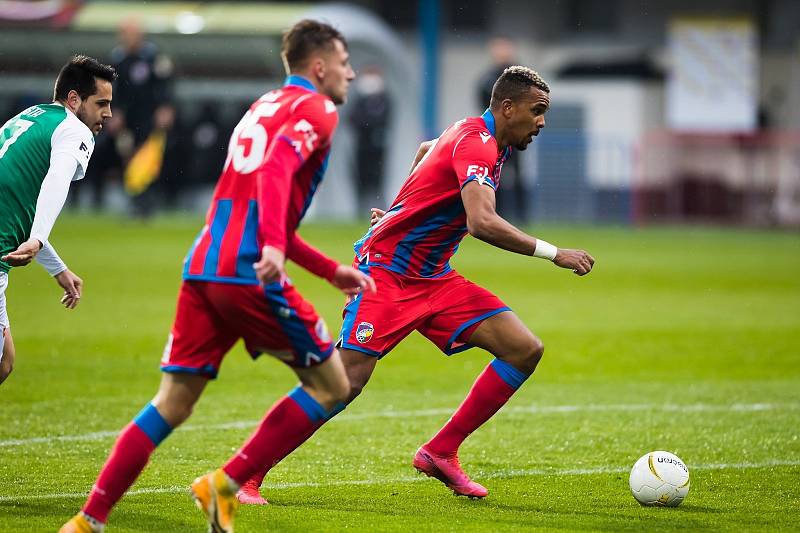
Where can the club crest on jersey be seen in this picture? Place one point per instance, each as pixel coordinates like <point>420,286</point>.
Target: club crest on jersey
<point>364,332</point>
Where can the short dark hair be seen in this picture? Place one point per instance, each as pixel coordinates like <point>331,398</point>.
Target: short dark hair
<point>305,38</point>
<point>515,82</point>
<point>80,75</point>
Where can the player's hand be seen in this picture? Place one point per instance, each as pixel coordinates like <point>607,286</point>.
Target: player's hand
<point>73,287</point>
<point>351,281</point>
<point>24,254</point>
<point>270,267</point>
<point>375,216</point>
<point>579,261</point>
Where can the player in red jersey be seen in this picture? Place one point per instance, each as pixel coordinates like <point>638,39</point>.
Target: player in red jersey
<point>235,287</point>
<point>450,193</point>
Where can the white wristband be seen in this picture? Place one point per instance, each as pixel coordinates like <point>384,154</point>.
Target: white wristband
<point>545,250</point>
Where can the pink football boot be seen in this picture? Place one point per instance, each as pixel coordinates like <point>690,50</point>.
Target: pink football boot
<point>249,495</point>
<point>448,471</point>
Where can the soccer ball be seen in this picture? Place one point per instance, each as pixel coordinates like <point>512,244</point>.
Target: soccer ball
<point>659,478</point>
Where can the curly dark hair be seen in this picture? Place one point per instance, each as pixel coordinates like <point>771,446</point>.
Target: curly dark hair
<point>514,82</point>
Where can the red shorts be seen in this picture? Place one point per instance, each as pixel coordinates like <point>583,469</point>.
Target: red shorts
<point>212,316</point>
<point>446,310</point>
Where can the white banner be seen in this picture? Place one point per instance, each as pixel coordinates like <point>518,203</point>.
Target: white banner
<point>713,81</point>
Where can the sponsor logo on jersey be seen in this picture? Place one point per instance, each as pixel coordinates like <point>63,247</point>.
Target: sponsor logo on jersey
<point>364,332</point>
<point>485,137</point>
<point>480,172</point>
<point>310,136</point>
<point>84,148</point>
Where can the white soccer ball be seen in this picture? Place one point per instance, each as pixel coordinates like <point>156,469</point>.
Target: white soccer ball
<point>659,478</point>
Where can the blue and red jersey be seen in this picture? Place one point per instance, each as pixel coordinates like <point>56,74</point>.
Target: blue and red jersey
<point>276,160</point>
<point>426,222</point>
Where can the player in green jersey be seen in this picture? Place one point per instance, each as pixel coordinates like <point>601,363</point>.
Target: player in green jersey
<point>42,151</point>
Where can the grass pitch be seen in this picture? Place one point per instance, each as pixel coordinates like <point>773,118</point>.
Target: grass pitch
<point>681,339</point>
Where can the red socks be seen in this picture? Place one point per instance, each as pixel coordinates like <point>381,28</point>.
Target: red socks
<point>289,423</point>
<point>128,458</point>
<point>496,384</point>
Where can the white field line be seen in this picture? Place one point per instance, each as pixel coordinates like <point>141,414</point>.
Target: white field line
<point>531,409</point>
<point>408,479</point>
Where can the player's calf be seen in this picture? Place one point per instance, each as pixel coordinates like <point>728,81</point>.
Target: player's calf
<point>7,355</point>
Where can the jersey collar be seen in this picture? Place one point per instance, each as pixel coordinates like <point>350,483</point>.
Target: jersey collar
<point>300,81</point>
<point>488,119</point>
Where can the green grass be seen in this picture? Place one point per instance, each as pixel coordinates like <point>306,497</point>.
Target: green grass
<point>681,339</point>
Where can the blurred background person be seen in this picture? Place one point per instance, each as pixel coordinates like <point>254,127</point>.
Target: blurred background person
<point>512,198</point>
<point>203,147</point>
<point>370,115</point>
<point>143,119</point>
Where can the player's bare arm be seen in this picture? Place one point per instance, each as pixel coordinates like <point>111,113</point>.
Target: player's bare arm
<point>485,224</point>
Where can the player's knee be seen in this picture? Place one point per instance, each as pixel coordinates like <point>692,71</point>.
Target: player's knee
<point>354,390</point>
<point>331,395</point>
<point>524,353</point>
<point>533,353</point>
<point>340,391</point>
<point>535,349</point>
<point>174,413</point>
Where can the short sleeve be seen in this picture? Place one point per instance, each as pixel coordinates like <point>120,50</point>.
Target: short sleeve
<point>474,159</point>
<point>310,125</point>
<point>73,138</point>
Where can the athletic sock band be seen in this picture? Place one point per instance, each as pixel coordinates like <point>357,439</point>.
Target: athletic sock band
<point>514,377</point>
<point>315,412</point>
<point>152,424</point>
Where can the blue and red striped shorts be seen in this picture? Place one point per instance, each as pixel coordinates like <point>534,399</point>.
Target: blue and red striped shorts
<point>212,316</point>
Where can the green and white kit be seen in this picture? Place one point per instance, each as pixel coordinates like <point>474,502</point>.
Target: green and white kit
<point>42,150</point>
